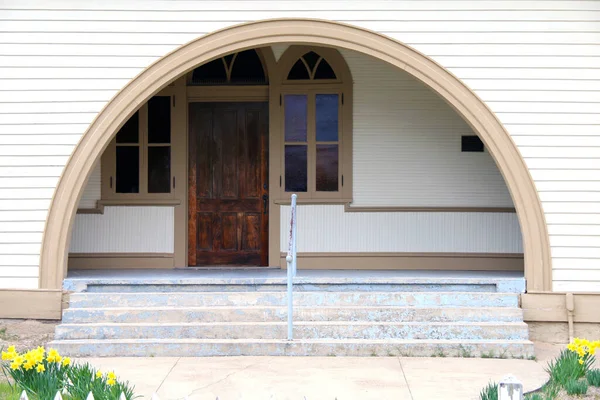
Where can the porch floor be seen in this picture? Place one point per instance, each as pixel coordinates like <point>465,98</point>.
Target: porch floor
<point>252,276</point>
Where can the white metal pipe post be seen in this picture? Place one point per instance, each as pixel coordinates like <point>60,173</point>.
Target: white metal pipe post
<point>291,268</point>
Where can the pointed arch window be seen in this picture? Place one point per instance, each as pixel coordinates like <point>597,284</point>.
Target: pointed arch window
<point>311,66</point>
<point>316,113</point>
<point>242,68</point>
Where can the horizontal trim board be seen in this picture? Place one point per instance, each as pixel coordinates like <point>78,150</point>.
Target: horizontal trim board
<point>79,261</point>
<point>139,202</point>
<point>348,208</point>
<point>99,210</point>
<point>31,303</point>
<point>120,255</point>
<point>551,307</point>
<point>409,261</point>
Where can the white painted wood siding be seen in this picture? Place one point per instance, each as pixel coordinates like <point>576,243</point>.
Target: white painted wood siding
<point>328,228</point>
<point>124,230</point>
<point>535,63</point>
<point>93,191</point>
<point>407,145</point>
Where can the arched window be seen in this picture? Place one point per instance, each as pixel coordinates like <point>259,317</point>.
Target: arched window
<point>311,66</point>
<point>243,68</point>
<point>316,104</point>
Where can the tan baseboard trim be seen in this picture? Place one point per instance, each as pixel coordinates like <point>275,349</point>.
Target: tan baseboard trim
<point>552,307</point>
<point>31,303</point>
<point>348,208</point>
<point>391,261</point>
<point>99,210</point>
<point>121,260</point>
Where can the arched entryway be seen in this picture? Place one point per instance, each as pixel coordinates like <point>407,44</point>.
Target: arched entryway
<point>323,33</point>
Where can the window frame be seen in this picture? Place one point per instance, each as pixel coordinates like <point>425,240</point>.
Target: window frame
<point>109,195</point>
<point>342,86</point>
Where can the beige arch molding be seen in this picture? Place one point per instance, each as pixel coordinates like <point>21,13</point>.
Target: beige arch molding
<point>57,234</point>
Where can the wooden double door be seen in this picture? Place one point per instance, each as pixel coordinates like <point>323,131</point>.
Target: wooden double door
<point>228,184</point>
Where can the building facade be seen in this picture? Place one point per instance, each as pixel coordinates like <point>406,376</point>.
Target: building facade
<point>418,135</point>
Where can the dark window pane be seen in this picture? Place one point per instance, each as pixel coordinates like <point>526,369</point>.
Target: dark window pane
<point>311,59</point>
<point>471,144</point>
<point>159,169</point>
<point>247,69</point>
<point>129,133</point>
<point>295,117</point>
<point>159,119</point>
<point>128,169</point>
<point>295,169</point>
<point>327,117</point>
<point>324,71</point>
<point>298,71</point>
<point>327,167</point>
<point>210,74</point>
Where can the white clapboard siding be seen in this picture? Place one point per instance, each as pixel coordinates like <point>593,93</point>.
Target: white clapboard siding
<point>574,230</point>
<point>123,230</point>
<point>563,164</point>
<point>327,228</point>
<point>92,192</point>
<point>406,146</point>
<point>244,5</point>
<point>536,63</point>
<point>411,38</point>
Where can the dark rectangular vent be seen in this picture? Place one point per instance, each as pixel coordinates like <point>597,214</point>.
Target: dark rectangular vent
<point>471,144</point>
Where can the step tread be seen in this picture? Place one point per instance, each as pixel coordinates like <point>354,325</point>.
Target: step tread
<point>302,323</point>
<point>267,307</point>
<point>285,341</point>
<point>96,294</point>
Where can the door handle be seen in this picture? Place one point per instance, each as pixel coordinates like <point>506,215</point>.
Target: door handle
<point>265,199</point>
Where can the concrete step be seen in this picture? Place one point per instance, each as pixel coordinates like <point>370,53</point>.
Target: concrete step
<point>303,299</point>
<point>298,287</point>
<point>304,347</point>
<point>302,330</point>
<point>274,314</point>
<point>266,279</point>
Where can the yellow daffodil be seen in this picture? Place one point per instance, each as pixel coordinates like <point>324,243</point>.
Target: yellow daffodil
<point>66,361</point>
<point>11,349</point>
<point>581,361</point>
<point>14,365</point>
<point>111,375</point>
<point>19,359</point>
<point>28,365</point>
<point>38,357</point>
<point>111,382</point>
<point>99,374</point>
<point>52,355</point>
<point>40,368</point>
<point>8,355</point>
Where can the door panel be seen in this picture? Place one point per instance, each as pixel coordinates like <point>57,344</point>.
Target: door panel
<point>228,219</point>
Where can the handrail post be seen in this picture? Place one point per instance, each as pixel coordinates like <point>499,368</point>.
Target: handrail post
<point>291,269</point>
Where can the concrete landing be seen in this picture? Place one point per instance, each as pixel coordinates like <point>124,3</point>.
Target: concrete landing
<point>318,378</point>
<point>503,281</point>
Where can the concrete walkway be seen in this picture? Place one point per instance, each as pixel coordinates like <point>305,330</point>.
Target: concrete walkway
<point>323,378</point>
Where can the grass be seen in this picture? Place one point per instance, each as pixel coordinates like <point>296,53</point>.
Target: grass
<point>464,352</point>
<point>489,354</point>
<point>490,392</point>
<point>8,392</point>
<point>576,388</point>
<point>593,377</point>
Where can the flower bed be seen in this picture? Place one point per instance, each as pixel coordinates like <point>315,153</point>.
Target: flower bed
<point>571,375</point>
<point>41,374</point>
